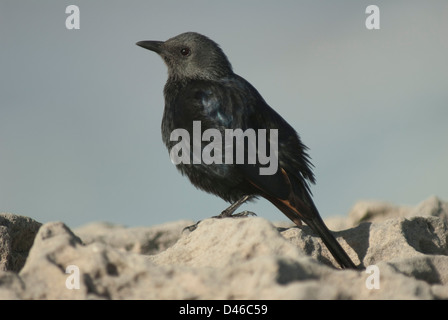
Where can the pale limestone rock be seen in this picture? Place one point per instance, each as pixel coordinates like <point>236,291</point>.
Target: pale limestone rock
<point>247,258</point>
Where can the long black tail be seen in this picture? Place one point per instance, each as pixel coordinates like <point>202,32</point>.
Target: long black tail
<point>317,225</point>
<point>297,211</point>
<point>298,206</point>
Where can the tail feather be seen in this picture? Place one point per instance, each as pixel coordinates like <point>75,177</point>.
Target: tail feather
<point>309,215</point>
<point>300,207</point>
<point>318,226</point>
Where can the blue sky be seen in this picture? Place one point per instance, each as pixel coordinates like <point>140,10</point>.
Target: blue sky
<point>80,110</point>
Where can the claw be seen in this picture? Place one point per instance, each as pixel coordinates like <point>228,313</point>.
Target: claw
<point>227,213</point>
<point>192,227</point>
<point>224,214</point>
<point>242,214</point>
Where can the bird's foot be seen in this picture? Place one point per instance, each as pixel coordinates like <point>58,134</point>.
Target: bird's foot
<point>230,214</point>
<point>224,214</point>
<point>192,227</point>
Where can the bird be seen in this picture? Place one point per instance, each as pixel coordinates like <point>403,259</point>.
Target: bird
<point>203,88</point>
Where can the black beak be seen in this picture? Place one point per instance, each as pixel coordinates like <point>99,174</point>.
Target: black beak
<point>155,46</point>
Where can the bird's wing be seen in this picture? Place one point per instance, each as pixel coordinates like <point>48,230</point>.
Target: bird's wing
<point>234,103</point>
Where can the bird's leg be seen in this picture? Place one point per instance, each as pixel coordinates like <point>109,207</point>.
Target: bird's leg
<point>227,213</point>
<point>231,209</point>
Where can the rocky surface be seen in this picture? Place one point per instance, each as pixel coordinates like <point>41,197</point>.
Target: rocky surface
<point>403,250</point>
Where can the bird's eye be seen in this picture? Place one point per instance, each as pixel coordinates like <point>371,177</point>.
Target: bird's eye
<point>185,51</point>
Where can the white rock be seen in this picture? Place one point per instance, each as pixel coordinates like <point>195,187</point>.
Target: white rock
<point>143,240</point>
<point>247,258</point>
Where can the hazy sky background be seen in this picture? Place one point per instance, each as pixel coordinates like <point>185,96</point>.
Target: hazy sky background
<point>80,110</point>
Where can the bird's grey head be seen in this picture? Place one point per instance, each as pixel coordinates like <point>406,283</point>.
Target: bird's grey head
<point>191,55</point>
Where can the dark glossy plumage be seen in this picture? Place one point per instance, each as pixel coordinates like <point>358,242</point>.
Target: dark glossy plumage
<point>231,103</point>
<point>202,87</point>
